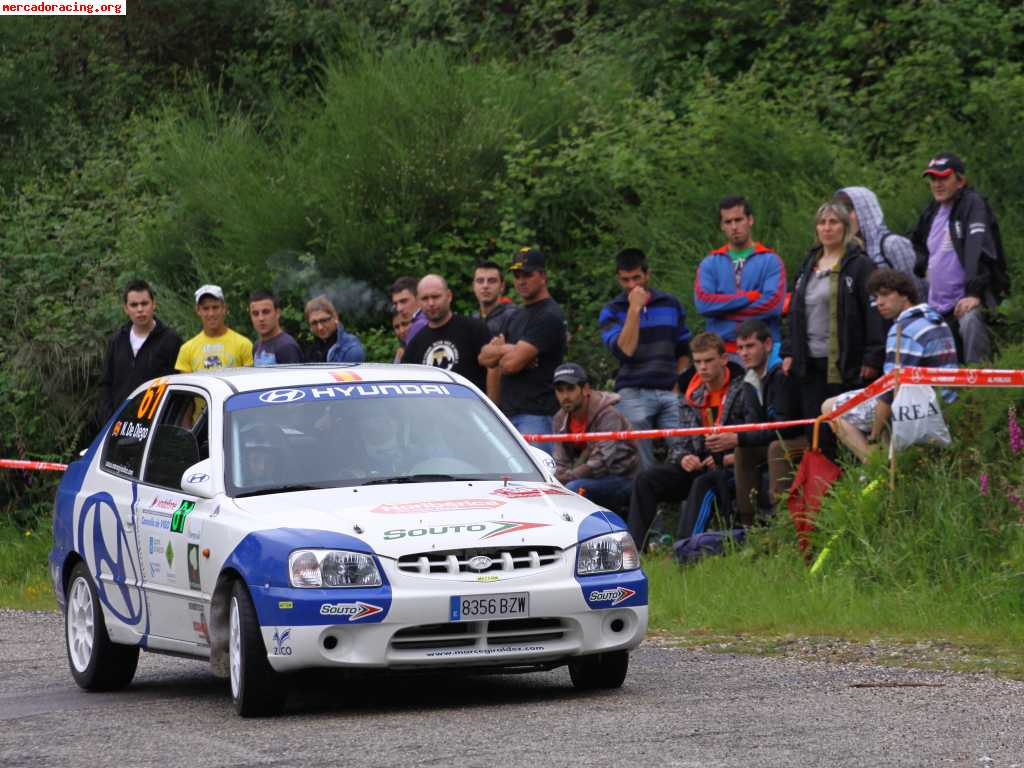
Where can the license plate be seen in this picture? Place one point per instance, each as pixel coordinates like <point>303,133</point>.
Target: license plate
<point>512,605</point>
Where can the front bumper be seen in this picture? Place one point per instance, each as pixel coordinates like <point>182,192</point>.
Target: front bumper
<point>406,625</point>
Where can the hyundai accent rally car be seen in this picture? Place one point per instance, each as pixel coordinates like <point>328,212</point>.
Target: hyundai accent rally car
<point>363,517</point>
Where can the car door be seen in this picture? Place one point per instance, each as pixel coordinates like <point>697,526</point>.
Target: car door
<point>170,521</point>
<point>106,516</point>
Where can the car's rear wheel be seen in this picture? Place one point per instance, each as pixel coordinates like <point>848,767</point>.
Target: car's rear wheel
<point>96,663</point>
<point>255,687</point>
<point>600,671</point>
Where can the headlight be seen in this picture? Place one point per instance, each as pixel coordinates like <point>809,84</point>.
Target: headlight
<point>607,554</point>
<point>332,568</point>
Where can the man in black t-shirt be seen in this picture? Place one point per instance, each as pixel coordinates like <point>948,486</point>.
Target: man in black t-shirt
<point>532,346</point>
<point>448,341</point>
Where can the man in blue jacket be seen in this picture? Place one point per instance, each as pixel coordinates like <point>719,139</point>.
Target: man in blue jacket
<point>742,280</point>
<point>645,329</point>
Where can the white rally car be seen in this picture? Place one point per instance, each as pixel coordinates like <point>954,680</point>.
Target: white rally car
<point>372,516</point>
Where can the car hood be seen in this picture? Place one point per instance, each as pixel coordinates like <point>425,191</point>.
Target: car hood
<point>397,520</point>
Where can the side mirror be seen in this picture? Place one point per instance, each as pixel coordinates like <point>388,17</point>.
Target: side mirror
<point>197,480</point>
<point>543,458</point>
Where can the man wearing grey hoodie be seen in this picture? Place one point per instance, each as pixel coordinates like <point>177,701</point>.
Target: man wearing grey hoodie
<point>887,249</point>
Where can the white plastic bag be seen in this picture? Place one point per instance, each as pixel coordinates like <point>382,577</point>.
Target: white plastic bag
<point>917,418</point>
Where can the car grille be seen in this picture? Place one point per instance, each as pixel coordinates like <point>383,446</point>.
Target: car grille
<point>455,562</point>
<point>478,633</point>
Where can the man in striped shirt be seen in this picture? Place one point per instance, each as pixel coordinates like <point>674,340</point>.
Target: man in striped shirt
<point>923,341</point>
<point>645,329</point>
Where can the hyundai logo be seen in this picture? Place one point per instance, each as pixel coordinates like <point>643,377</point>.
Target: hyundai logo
<point>282,396</point>
<point>479,563</point>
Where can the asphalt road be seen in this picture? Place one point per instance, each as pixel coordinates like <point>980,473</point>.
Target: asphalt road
<point>677,708</point>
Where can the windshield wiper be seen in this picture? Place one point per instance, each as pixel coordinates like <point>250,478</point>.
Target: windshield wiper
<point>280,489</point>
<point>414,479</point>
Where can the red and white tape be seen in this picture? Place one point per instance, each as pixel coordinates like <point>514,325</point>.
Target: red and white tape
<point>942,377</point>
<point>51,466</point>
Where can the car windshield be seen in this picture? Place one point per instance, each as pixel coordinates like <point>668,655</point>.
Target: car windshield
<point>328,436</point>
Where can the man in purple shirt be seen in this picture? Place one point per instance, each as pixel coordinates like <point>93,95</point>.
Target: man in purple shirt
<point>960,251</point>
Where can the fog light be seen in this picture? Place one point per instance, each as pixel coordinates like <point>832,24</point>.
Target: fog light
<point>330,642</point>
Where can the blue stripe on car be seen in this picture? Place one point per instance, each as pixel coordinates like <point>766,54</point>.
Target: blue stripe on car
<point>262,560</point>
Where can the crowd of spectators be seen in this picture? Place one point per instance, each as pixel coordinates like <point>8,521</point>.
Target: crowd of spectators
<point>863,300</point>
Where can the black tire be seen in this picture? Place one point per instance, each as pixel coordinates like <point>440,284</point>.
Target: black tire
<point>601,671</point>
<point>256,690</point>
<point>96,663</point>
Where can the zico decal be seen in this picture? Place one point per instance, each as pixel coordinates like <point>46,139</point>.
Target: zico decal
<point>178,518</point>
<point>280,638</point>
<point>489,529</point>
<point>614,596</point>
<point>354,611</point>
<point>447,505</point>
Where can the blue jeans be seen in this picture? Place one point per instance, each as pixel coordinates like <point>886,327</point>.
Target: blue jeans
<point>650,409</point>
<point>535,424</point>
<point>611,491</point>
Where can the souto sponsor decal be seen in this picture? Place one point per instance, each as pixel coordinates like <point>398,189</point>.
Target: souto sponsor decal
<point>280,648</point>
<point>613,596</point>
<point>282,396</point>
<point>490,529</point>
<point>178,518</point>
<point>354,611</point>
<point>164,502</point>
<point>446,505</point>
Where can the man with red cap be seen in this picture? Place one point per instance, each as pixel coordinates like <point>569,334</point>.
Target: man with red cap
<point>960,251</point>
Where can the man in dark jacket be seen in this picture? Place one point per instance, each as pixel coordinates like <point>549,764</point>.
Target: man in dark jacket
<point>713,397</point>
<point>603,470</point>
<point>142,349</point>
<point>768,395</point>
<point>960,251</point>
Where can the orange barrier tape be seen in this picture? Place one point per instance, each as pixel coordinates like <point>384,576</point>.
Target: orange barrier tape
<point>961,377</point>
<point>39,465</point>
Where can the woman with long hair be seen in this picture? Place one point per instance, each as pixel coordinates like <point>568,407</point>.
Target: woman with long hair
<point>836,338</point>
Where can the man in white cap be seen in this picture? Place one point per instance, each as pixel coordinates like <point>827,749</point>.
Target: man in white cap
<point>216,346</point>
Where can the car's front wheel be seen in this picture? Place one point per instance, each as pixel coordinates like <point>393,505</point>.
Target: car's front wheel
<point>255,687</point>
<point>600,671</point>
<point>96,663</point>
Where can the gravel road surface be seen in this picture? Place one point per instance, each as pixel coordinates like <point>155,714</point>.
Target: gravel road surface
<point>677,708</point>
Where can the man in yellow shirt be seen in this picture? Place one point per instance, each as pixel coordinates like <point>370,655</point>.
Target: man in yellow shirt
<point>216,346</point>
